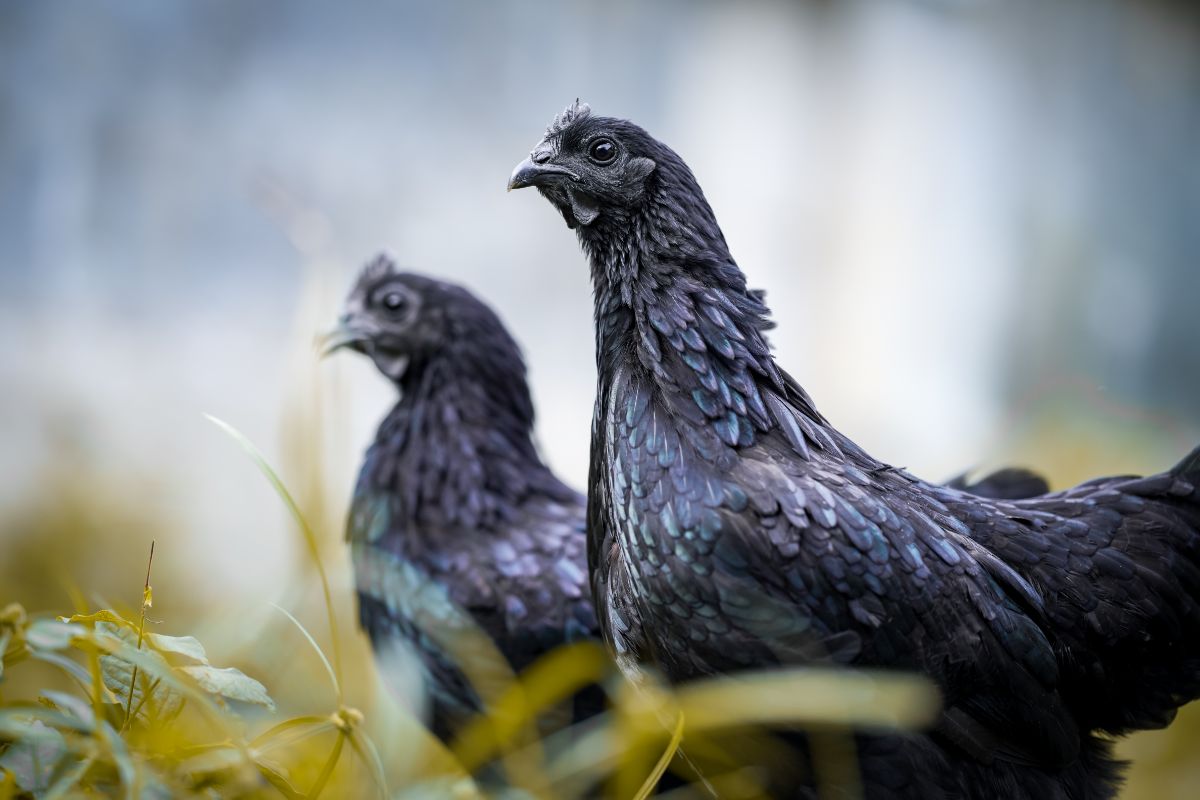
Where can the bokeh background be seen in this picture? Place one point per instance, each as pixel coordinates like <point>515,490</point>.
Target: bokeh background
<point>978,223</point>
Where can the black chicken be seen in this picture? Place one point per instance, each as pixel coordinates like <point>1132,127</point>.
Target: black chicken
<point>454,513</point>
<point>730,526</point>
<point>455,516</point>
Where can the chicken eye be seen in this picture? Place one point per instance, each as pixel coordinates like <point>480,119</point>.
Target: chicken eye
<point>393,301</point>
<point>602,151</point>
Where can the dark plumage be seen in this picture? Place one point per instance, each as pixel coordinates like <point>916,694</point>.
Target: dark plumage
<point>1010,483</point>
<point>454,514</point>
<point>730,526</point>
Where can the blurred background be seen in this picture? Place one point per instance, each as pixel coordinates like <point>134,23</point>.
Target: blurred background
<point>977,221</point>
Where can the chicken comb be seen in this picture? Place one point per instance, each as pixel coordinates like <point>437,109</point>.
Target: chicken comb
<point>378,267</point>
<point>570,115</point>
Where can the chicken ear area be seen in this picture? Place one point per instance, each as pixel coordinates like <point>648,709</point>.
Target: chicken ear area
<point>583,207</point>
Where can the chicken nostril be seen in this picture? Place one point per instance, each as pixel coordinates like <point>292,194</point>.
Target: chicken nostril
<point>540,156</point>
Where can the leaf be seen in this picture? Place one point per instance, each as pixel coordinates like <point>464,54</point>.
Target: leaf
<point>152,699</point>
<point>15,721</point>
<point>114,713</point>
<point>99,643</point>
<point>277,777</point>
<point>119,754</point>
<point>104,615</point>
<point>33,758</point>
<point>183,654</point>
<point>231,684</point>
<point>70,703</point>
<point>69,778</point>
<point>211,762</point>
<point>68,666</point>
<point>178,650</point>
<point>50,634</point>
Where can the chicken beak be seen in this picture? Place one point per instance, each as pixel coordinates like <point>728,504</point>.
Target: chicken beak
<point>531,173</point>
<point>346,334</point>
<point>525,174</point>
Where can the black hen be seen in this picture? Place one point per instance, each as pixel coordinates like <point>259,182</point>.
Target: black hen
<point>730,526</point>
<point>454,514</point>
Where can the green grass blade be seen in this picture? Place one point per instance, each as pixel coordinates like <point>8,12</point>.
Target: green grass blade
<point>663,762</point>
<point>310,536</point>
<point>277,779</point>
<point>366,750</point>
<point>333,679</point>
<point>878,701</point>
<point>264,739</point>
<point>327,770</point>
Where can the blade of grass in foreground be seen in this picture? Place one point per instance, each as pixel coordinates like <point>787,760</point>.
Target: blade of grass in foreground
<point>337,690</point>
<point>883,701</point>
<point>347,721</point>
<point>663,762</point>
<point>310,537</point>
<point>551,679</point>
<point>832,703</point>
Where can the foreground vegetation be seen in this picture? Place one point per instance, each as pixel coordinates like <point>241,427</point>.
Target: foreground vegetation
<point>103,699</point>
<point>114,707</point>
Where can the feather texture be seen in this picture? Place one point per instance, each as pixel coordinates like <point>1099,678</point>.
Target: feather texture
<point>732,527</point>
<point>456,523</point>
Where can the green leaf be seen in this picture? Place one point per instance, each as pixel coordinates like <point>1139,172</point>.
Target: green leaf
<point>68,666</point>
<point>100,643</point>
<point>78,708</point>
<point>15,721</point>
<point>277,777</point>
<point>231,684</point>
<point>152,699</point>
<point>69,777</point>
<point>33,758</point>
<point>179,650</point>
<point>100,616</point>
<point>113,713</point>
<point>120,756</point>
<point>211,763</point>
<point>50,634</point>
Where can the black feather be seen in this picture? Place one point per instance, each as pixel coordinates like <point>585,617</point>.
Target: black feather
<point>1011,483</point>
